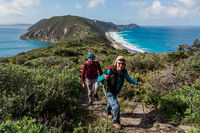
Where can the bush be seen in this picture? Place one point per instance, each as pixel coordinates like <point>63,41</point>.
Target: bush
<point>146,62</point>
<point>177,56</point>
<point>49,94</point>
<point>4,60</point>
<point>66,52</point>
<point>25,125</point>
<point>50,61</point>
<point>12,78</point>
<point>182,104</point>
<point>102,127</point>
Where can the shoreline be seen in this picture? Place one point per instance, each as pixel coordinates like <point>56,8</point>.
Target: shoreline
<point>119,46</point>
<point>115,44</point>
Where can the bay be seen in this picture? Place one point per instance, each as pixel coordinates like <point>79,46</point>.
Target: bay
<point>160,39</point>
<point>11,44</point>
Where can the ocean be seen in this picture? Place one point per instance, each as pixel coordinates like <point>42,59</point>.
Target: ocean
<point>156,39</point>
<point>11,44</point>
<point>143,39</point>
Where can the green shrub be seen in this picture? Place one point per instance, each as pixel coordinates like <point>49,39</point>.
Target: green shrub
<point>102,127</point>
<point>177,56</point>
<point>151,95</point>
<point>50,61</point>
<point>66,52</point>
<point>3,60</point>
<point>192,130</point>
<point>21,60</point>
<point>145,62</point>
<point>26,125</point>
<point>182,104</point>
<point>12,78</point>
<point>50,94</point>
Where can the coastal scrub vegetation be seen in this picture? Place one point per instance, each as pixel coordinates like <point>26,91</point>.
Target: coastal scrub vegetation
<point>44,85</point>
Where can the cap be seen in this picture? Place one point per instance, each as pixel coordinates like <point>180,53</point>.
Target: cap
<point>90,55</point>
<point>119,58</point>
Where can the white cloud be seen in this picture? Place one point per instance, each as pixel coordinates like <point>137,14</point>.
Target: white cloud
<point>16,7</point>
<point>188,3</point>
<point>24,3</point>
<point>78,6</point>
<point>176,9</point>
<point>93,3</point>
<point>135,3</point>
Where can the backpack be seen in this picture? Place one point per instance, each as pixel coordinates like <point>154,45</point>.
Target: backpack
<point>112,75</point>
<point>110,67</point>
<point>95,62</point>
<point>112,80</point>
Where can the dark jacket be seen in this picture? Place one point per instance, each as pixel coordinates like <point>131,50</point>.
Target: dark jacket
<point>116,79</point>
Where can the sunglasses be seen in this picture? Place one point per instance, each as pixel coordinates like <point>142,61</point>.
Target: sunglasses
<point>121,63</point>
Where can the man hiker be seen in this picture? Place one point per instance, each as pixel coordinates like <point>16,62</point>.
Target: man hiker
<point>90,71</point>
<point>115,76</point>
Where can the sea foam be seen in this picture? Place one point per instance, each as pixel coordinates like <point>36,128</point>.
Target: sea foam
<point>120,40</point>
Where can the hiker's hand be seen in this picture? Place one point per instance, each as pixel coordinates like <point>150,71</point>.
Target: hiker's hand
<point>83,85</point>
<point>139,83</point>
<point>104,82</point>
<point>105,77</point>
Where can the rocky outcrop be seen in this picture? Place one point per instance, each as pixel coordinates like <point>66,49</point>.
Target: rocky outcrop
<point>68,27</point>
<point>127,26</point>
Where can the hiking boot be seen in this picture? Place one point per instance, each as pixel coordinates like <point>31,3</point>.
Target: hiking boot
<point>117,125</point>
<point>96,96</point>
<point>90,103</point>
<point>108,110</point>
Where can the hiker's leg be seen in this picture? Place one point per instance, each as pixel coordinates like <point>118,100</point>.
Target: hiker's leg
<point>93,88</point>
<point>89,87</point>
<point>108,109</point>
<point>96,88</point>
<point>115,107</point>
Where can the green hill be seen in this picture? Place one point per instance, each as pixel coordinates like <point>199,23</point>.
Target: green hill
<point>68,27</point>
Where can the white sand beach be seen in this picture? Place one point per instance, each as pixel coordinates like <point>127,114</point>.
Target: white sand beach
<point>119,43</point>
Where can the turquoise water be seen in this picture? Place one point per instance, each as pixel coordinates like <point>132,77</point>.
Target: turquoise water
<point>146,38</point>
<point>160,39</point>
<point>11,44</point>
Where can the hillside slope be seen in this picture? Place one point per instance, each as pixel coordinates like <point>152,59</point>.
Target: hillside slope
<point>45,83</point>
<point>61,28</point>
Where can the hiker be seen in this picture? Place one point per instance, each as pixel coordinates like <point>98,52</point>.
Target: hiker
<point>90,71</point>
<point>114,77</point>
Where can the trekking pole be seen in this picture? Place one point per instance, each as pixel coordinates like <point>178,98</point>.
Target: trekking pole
<point>104,90</point>
<point>144,115</point>
<point>105,93</point>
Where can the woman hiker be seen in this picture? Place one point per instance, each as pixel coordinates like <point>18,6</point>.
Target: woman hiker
<point>90,71</point>
<point>115,76</point>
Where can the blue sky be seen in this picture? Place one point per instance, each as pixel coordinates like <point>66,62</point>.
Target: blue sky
<point>141,12</point>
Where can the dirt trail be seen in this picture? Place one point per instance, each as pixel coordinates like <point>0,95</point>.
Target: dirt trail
<point>139,120</point>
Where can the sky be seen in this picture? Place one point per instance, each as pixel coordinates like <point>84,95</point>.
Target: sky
<point>140,12</point>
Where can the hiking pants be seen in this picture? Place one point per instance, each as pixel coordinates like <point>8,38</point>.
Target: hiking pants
<point>114,104</point>
<point>92,86</point>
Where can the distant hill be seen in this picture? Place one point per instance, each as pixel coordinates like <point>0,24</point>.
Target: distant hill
<point>15,24</point>
<point>127,26</point>
<point>69,27</point>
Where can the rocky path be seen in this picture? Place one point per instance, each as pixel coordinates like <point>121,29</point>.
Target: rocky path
<point>139,119</point>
